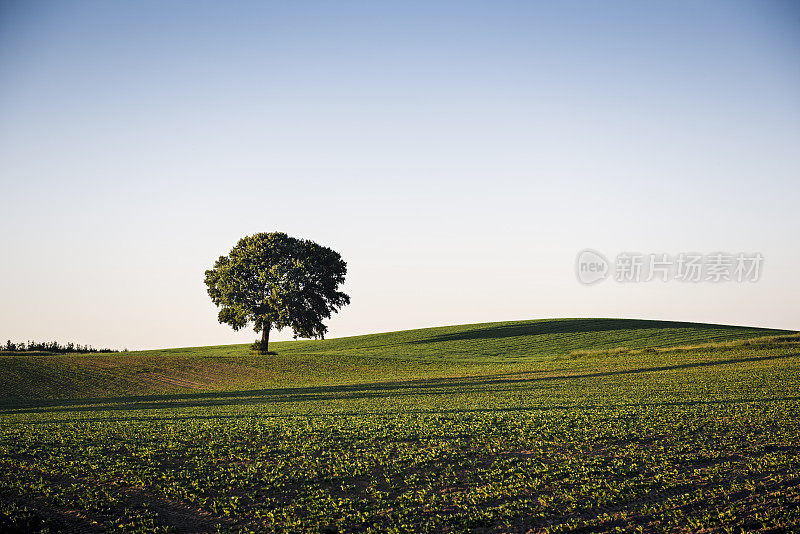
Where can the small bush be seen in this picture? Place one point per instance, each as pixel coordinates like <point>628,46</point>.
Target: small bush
<point>259,348</point>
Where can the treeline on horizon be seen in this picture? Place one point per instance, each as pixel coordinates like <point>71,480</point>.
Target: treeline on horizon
<point>51,346</point>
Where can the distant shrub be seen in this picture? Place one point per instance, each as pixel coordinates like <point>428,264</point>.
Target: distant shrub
<point>51,346</point>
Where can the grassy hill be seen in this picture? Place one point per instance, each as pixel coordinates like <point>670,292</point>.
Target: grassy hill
<point>567,425</point>
<point>423,353</point>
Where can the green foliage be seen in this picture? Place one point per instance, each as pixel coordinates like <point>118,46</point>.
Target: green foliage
<point>344,439</point>
<point>426,353</point>
<point>18,518</point>
<point>50,346</point>
<point>275,281</point>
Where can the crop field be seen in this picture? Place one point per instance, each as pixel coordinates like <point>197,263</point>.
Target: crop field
<point>590,425</point>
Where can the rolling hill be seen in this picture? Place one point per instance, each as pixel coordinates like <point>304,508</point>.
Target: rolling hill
<point>563,425</point>
<point>473,349</point>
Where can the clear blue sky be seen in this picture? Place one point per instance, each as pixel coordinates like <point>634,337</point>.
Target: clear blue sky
<point>457,154</point>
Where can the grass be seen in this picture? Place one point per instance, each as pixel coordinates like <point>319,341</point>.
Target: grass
<point>424,353</point>
<point>543,426</point>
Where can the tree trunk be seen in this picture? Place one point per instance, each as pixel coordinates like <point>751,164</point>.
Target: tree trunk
<point>265,338</point>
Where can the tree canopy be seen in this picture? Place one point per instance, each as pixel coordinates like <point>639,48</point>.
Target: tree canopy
<point>271,280</point>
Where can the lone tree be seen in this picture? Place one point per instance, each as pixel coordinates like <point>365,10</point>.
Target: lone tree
<point>276,281</point>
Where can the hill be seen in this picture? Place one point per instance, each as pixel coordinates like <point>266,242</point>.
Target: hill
<point>568,425</point>
<point>473,349</point>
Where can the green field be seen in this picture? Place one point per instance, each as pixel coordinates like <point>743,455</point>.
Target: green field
<point>545,426</point>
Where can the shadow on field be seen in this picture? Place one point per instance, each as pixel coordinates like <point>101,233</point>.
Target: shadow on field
<point>170,416</point>
<point>569,326</point>
<point>431,387</point>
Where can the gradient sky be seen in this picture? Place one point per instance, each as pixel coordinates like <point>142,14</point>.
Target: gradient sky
<point>457,154</point>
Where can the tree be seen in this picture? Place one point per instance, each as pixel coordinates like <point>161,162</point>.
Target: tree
<point>275,281</point>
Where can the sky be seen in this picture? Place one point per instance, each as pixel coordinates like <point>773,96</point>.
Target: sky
<point>458,155</point>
